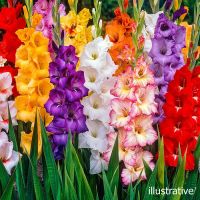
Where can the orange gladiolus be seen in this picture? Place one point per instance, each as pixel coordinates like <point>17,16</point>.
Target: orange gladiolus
<point>119,31</point>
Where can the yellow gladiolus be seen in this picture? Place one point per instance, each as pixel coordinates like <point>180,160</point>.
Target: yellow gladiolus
<point>26,139</point>
<point>43,89</point>
<point>77,32</point>
<point>176,4</point>
<point>32,81</point>
<point>84,16</point>
<point>38,40</point>
<point>36,19</point>
<point>25,34</point>
<point>188,28</point>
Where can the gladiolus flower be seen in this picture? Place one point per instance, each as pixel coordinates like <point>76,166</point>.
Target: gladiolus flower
<point>8,157</point>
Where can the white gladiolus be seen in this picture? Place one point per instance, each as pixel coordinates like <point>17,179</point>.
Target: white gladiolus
<point>98,68</point>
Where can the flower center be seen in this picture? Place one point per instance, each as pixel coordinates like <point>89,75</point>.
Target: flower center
<point>95,106</point>
<point>164,27</point>
<point>94,56</point>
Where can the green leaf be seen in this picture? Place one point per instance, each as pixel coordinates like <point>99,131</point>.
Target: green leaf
<point>115,196</point>
<point>197,192</point>
<point>36,182</point>
<point>33,157</point>
<point>197,152</point>
<point>115,180</point>
<point>7,193</point>
<point>68,162</point>
<point>3,3</point>
<point>47,186</point>
<point>107,189</point>
<point>161,165</point>
<point>50,163</point>
<point>69,190</point>
<point>4,176</point>
<point>179,179</point>
<point>114,162</point>
<point>34,143</point>
<point>20,182</point>
<point>151,183</point>
<point>132,190</point>
<point>85,191</point>
<point>148,170</point>
<point>190,183</point>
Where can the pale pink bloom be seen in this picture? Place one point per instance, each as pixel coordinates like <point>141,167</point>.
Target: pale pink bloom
<point>142,74</point>
<point>4,118</point>
<point>140,132</point>
<point>8,157</point>
<point>5,86</point>
<point>133,172</point>
<point>124,87</point>
<point>125,154</point>
<point>122,112</point>
<point>145,103</point>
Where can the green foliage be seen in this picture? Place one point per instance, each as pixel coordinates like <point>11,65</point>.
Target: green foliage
<point>3,3</point>
<point>69,179</point>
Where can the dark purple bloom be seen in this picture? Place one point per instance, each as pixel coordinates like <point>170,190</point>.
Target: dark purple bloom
<point>60,139</point>
<point>68,55</point>
<point>64,100</point>
<point>59,71</point>
<point>75,88</point>
<point>72,121</point>
<point>179,12</point>
<point>56,104</point>
<point>58,151</point>
<point>168,4</point>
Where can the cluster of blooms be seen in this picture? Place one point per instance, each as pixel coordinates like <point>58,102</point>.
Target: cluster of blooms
<point>132,115</point>
<point>120,31</point>
<point>64,100</point>
<point>168,41</point>
<point>182,122</point>
<point>43,13</point>
<point>77,31</point>
<point>98,68</point>
<point>9,42</point>
<point>33,84</point>
<point>9,23</point>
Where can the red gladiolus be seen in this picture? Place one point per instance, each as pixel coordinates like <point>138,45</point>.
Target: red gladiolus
<point>10,22</point>
<point>181,126</point>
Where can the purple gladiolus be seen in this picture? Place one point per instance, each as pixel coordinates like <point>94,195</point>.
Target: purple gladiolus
<point>166,55</point>
<point>179,12</point>
<point>64,100</point>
